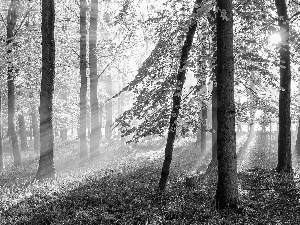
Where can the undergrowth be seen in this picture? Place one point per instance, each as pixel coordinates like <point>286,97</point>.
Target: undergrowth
<point>121,188</point>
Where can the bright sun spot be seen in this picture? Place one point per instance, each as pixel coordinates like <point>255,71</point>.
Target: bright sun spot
<point>275,38</point>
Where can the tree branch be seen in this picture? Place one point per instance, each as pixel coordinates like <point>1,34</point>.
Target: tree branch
<point>296,14</point>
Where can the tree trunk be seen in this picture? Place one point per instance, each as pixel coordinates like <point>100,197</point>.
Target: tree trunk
<point>203,126</point>
<point>109,105</point>
<point>83,83</point>
<point>22,132</point>
<point>177,97</point>
<point>95,123</point>
<point>284,135</point>
<point>297,146</point>
<point>250,137</point>
<point>11,23</point>
<point>227,189</point>
<point>214,161</point>
<point>1,144</point>
<point>46,163</point>
<point>36,132</point>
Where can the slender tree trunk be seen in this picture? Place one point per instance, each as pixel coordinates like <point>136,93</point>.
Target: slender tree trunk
<point>203,126</point>
<point>11,24</point>
<point>297,146</point>
<point>109,105</point>
<point>46,163</point>
<point>284,135</point>
<point>250,137</point>
<point>36,132</point>
<point>1,145</point>
<point>95,123</point>
<point>251,127</point>
<point>214,161</point>
<point>22,132</point>
<point>83,83</point>
<point>177,97</point>
<point>227,189</point>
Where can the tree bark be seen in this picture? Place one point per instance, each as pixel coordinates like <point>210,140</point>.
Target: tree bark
<point>36,132</point>
<point>46,163</point>
<point>227,189</point>
<point>95,123</point>
<point>11,24</point>
<point>203,126</point>
<point>22,132</point>
<point>109,105</point>
<point>177,97</point>
<point>83,83</point>
<point>284,135</point>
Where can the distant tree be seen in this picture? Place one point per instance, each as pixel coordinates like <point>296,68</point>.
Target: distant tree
<point>11,25</point>
<point>35,130</point>
<point>180,79</point>
<point>227,189</point>
<point>203,126</point>
<point>214,162</point>
<point>46,163</point>
<point>22,132</point>
<point>83,82</point>
<point>284,135</point>
<point>109,108</point>
<point>251,125</point>
<point>95,123</point>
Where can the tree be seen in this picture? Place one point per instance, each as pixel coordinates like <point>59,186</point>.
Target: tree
<point>22,132</point>
<point>203,126</point>
<point>180,79</point>
<point>11,25</point>
<point>227,190</point>
<point>284,135</point>
<point>109,108</point>
<point>46,162</point>
<point>35,130</point>
<point>214,162</point>
<point>95,123</point>
<point>1,144</point>
<point>83,82</point>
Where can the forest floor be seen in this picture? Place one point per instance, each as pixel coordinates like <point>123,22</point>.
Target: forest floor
<point>121,188</point>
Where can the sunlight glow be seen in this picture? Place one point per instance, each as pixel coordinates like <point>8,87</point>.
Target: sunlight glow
<point>275,38</point>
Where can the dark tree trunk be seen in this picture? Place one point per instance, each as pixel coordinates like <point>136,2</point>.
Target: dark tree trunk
<point>284,135</point>
<point>11,23</point>
<point>22,132</point>
<point>109,105</point>
<point>177,97</point>
<point>227,188</point>
<point>36,132</point>
<point>203,127</point>
<point>95,123</point>
<point>46,163</point>
<point>83,83</point>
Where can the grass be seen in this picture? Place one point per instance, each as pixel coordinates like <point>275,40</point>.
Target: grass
<point>122,189</point>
